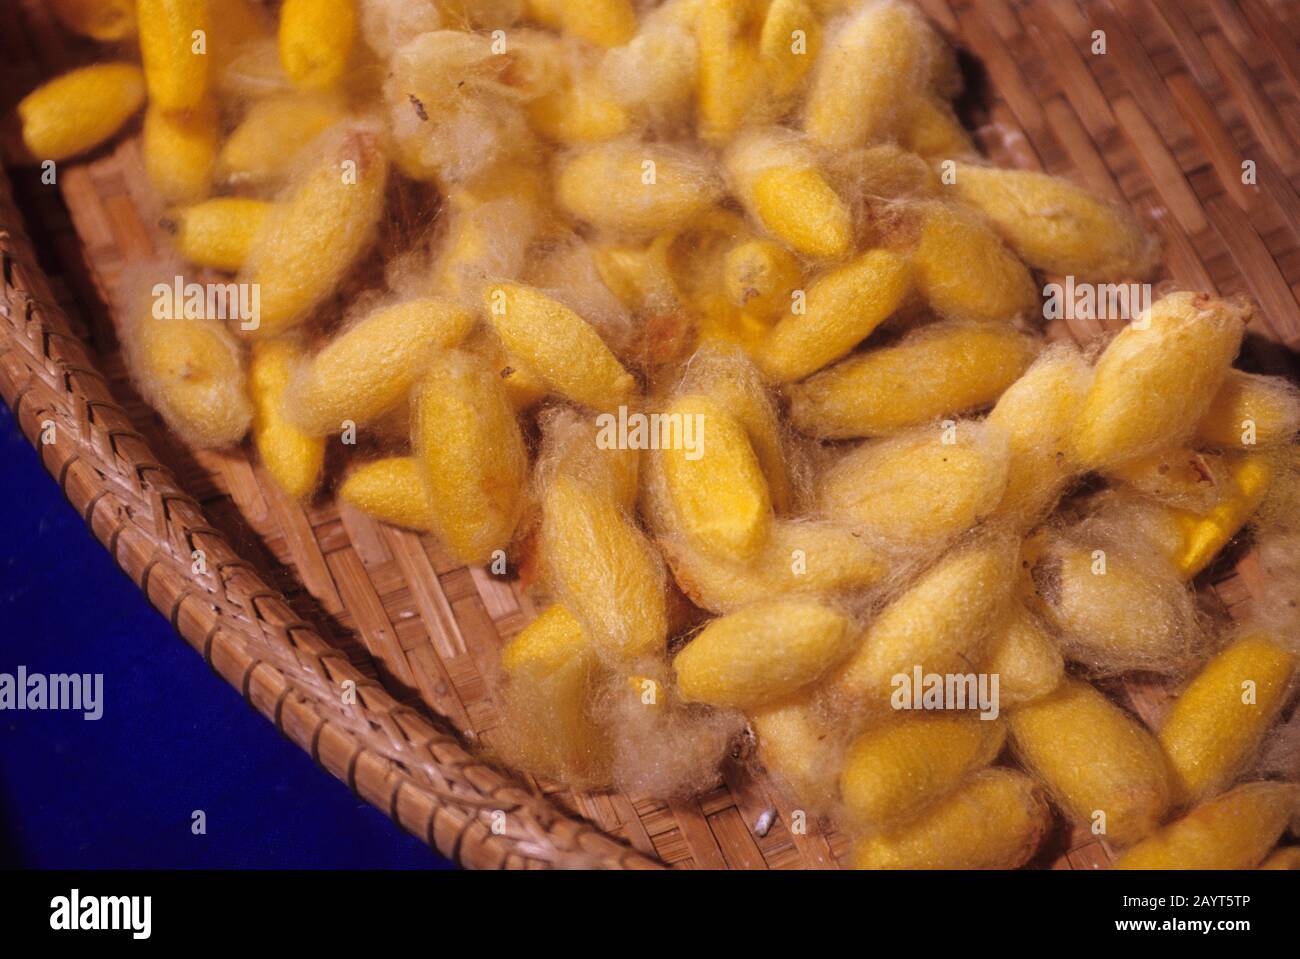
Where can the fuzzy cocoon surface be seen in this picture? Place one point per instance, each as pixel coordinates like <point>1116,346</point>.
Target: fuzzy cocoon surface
<point>324,220</point>
<point>873,63</point>
<point>940,623</point>
<point>938,370</point>
<point>1215,727</point>
<point>1038,412</point>
<point>1102,766</point>
<point>896,770</point>
<point>1117,604</point>
<point>190,369</point>
<point>995,820</point>
<point>920,488</point>
<point>1157,378</point>
<point>1234,831</point>
<point>763,654</point>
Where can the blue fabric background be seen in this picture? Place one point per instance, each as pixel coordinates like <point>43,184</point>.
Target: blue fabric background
<point>174,737</point>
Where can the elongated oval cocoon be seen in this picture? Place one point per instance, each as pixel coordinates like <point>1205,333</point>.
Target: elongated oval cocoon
<point>800,558</point>
<point>173,45</point>
<point>1234,831</point>
<point>1116,607</point>
<point>551,670</point>
<point>370,367</point>
<point>1251,411</point>
<point>316,38</point>
<point>941,623</point>
<point>996,820</point>
<point>918,488</point>
<point>788,44</point>
<point>635,188</point>
<point>1024,656</point>
<point>897,769</point>
<point>729,377</point>
<point>603,568</point>
<point>79,110</point>
<point>192,372</point>
<point>291,456</point>
<point>324,223</point>
<point>842,308</point>
<point>937,370</point>
<point>557,343</point>
<point>217,233</point>
<point>777,179</point>
<point>1037,413</point>
<point>274,130</point>
<point>867,73</point>
<point>1157,378</point>
<point>762,654</point>
<point>965,272</point>
<point>1095,759</point>
<point>180,149</point>
<point>730,81</point>
<point>716,485</point>
<point>1057,227</point>
<point>1215,727</point>
<point>471,455</point>
<point>392,491</point>
<point>103,20</point>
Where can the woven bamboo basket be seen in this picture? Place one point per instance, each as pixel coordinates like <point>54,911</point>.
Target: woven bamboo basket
<point>297,600</point>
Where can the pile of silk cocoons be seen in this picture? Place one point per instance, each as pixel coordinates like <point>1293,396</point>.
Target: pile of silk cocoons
<point>707,320</point>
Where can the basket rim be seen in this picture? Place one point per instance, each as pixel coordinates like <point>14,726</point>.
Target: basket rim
<point>409,763</point>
